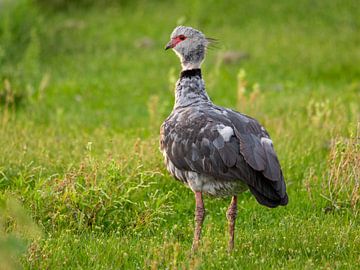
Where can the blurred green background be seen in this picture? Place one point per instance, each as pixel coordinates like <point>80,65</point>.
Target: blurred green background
<point>84,88</point>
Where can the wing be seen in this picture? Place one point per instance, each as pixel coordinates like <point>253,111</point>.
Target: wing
<point>228,146</point>
<point>256,145</point>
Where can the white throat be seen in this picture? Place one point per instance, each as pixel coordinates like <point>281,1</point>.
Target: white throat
<point>189,65</point>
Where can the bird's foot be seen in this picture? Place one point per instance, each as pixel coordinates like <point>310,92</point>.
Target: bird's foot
<point>195,246</point>
<point>231,246</point>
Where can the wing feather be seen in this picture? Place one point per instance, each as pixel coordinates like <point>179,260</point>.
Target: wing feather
<point>195,144</point>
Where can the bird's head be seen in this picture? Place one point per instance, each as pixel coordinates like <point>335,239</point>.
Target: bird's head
<point>190,45</point>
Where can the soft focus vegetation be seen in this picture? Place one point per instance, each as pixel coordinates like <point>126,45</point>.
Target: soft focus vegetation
<point>84,88</point>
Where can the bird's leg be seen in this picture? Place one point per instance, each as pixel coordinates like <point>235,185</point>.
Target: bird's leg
<point>231,216</point>
<point>199,219</point>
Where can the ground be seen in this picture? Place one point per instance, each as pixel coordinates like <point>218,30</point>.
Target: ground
<point>85,88</point>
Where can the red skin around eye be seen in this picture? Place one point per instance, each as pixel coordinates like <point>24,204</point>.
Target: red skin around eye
<point>177,40</point>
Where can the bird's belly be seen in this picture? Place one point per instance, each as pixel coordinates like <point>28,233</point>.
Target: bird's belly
<point>215,187</point>
<point>204,183</point>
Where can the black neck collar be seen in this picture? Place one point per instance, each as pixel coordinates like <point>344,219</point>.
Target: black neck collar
<point>190,73</point>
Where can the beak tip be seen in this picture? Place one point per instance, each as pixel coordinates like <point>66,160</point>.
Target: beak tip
<point>169,45</point>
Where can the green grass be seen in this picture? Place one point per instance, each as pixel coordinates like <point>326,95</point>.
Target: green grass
<point>83,93</point>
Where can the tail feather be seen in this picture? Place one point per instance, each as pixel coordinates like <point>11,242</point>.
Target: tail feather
<point>270,194</point>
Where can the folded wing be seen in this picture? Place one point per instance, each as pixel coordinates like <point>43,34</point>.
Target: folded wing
<point>226,145</point>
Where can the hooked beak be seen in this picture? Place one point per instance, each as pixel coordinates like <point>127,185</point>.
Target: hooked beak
<point>170,45</point>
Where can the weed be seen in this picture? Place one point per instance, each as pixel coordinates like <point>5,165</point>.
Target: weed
<point>319,112</point>
<point>343,175</point>
<point>248,100</point>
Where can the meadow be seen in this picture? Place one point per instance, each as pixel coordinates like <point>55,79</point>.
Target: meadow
<point>84,89</point>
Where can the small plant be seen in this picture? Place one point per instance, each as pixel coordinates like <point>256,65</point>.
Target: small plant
<point>241,89</point>
<point>319,112</point>
<point>246,99</point>
<point>343,175</point>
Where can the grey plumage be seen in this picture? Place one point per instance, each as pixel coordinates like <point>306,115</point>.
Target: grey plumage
<point>211,149</point>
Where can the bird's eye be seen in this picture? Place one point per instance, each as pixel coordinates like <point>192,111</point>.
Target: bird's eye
<point>182,37</point>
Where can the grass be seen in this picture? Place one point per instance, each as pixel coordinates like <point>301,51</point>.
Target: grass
<point>84,90</point>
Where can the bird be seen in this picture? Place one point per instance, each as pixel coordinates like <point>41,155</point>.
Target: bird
<point>213,150</point>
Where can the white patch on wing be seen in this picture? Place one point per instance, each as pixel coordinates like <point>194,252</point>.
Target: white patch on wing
<point>225,131</point>
<point>266,140</point>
